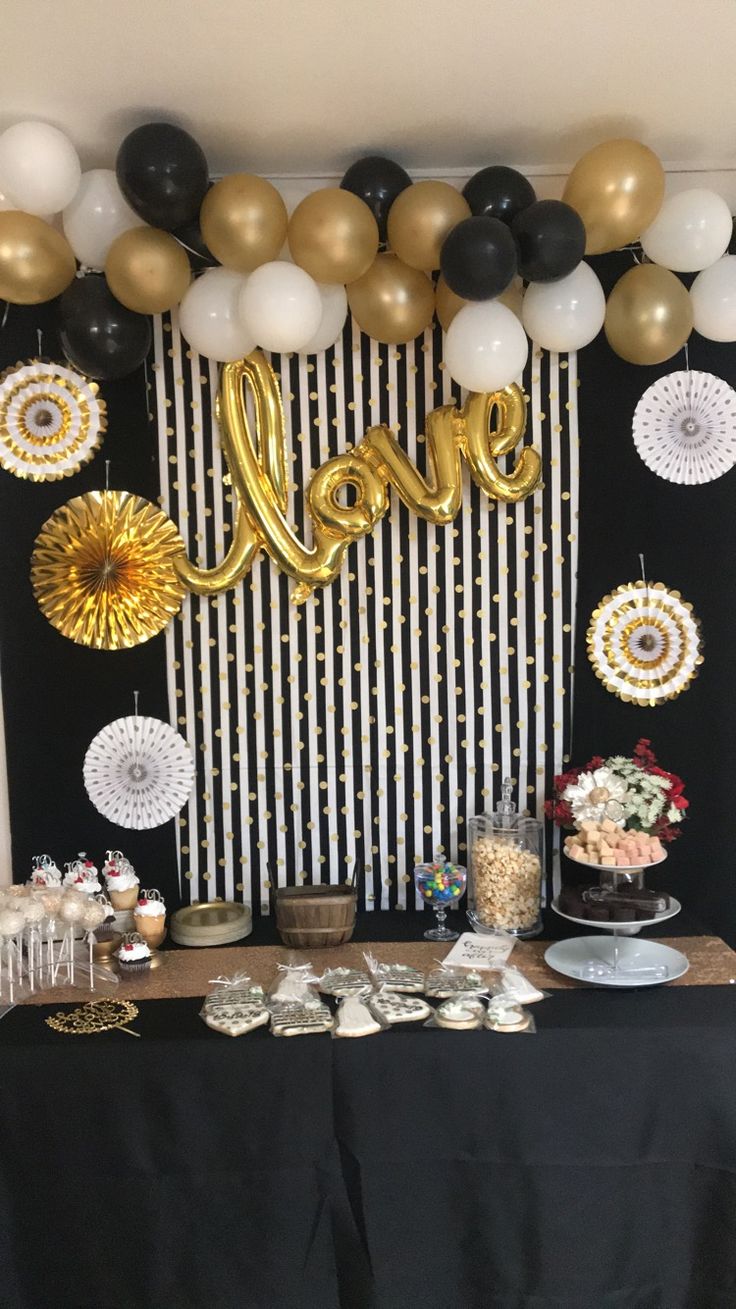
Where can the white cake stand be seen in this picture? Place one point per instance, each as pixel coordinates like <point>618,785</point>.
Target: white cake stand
<point>614,960</point>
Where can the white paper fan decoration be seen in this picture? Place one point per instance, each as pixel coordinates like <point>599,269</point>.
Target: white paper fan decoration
<point>138,772</point>
<point>644,643</point>
<point>685,427</point>
<point>51,421</point>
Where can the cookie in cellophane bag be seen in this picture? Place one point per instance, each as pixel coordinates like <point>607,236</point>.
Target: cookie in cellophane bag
<point>236,1006</point>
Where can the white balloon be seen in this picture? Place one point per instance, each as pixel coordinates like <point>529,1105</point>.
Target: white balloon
<point>97,215</point>
<point>485,346</point>
<point>209,318</point>
<point>334,312</point>
<point>565,315</point>
<point>39,168</point>
<point>281,306</point>
<point>691,231</point>
<point>713,295</point>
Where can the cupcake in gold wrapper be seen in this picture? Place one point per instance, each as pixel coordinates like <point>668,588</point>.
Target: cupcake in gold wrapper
<point>149,918</point>
<point>121,880</point>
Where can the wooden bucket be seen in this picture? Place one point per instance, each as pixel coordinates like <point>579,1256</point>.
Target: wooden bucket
<point>315,917</point>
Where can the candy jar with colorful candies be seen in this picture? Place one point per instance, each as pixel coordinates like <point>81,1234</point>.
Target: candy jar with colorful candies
<point>441,884</point>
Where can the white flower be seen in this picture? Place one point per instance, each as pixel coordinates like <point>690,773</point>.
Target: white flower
<point>598,795</point>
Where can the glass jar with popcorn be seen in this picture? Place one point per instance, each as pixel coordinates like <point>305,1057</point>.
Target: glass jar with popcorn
<point>505,870</point>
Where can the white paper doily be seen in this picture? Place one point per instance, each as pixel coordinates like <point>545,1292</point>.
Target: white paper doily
<point>685,427</point>
<point>644,643</point>
<point>51,421</point>
<point>138,772</point>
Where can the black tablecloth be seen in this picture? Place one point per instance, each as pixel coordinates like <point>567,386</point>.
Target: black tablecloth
<point>589,1166</point>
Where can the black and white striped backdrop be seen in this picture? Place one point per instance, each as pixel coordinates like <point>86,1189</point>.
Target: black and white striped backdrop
<point>370,723</point>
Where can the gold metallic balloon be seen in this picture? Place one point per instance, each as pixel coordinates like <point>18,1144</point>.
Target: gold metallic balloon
<point>419,220</point>
<point>257,463</point>
<point>36,262</point>
<point>618,189</point>
<point>147,270</point>
<point>333,235</point>
<point>447,303</point>
<point>243,221</point>
<point>103,570</point>
<point>392,302</point>
<point>649,315</point>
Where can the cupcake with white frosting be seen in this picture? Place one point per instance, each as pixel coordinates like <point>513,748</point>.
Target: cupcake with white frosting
<point>149,918</point>
<point>81,875</point>
<point>44,872</point>
<point>133,956</point>
<point>120,877</point>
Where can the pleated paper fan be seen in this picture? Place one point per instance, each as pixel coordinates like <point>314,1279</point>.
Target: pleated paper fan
<point>685,427</point>
<point>644,643</point>
<point>51,421</point>
<point>138,772</point>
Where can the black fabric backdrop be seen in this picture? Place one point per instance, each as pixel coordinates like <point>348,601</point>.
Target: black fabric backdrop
<point>687,536</point>
<point>57,695</point>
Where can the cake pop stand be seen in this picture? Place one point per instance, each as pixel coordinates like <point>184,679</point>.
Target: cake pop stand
<point>616,959</point>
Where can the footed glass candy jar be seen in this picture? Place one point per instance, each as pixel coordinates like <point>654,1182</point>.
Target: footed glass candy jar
<point>505,870</point>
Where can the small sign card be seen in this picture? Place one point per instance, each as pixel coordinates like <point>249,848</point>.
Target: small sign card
<point>475,951</point>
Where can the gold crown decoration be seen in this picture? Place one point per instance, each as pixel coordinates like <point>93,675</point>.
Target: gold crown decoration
<point>644,643</point>
<point>52,421</point>
<point>103,571</point>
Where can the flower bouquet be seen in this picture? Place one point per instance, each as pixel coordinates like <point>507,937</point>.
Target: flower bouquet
<point>632,792</point>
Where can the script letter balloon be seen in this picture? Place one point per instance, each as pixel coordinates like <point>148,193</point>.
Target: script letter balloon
<point>280,306</point>
<point>392,302</point>
<point>649,315</point>
<point>97,215</point>
<point>478,258</point>
<point>713,296</point>
<point>551,240</point>
<point>376,181</point>
<point>99,336</point>
<point>567,314</point>
<point>618,189</point>
<point>163,175</point>
<point>334,312</point>
<point>243,221</point>
<point>691,231</point>
<point>39,168</point>
<point>333,236</point>
<point>36,261</point>
<point>209,316</point>
<point>147,270</point>
<point>420,220</point>
<point>499,192</point>
<point>486,347</point>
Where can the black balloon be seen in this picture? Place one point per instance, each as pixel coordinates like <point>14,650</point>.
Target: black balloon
<point>550,237</point>
<point>99,336</point>
<point>478,258</point>
<point>499,192</point>
<point>162,173</point>
<point>377,181</point>
<point>200,256</point>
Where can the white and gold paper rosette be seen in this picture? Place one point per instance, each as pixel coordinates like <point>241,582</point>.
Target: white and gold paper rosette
<point>138,772</point>
<point>103,570</point>
<point>685,427</point>
<point>644,643</point>
<point>51,421</point>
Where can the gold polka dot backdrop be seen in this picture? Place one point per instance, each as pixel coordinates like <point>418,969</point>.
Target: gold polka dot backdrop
<point>369,723</point>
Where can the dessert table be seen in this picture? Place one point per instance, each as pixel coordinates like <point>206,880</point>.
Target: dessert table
<point>592,1164</point>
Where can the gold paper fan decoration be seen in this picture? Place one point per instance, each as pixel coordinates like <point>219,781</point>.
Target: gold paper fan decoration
<point>644,643</point>
<point>51,421</point>
<point>102,570</point>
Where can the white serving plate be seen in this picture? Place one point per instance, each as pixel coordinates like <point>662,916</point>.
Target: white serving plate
<point>614,961</point>
<point>629,928</point>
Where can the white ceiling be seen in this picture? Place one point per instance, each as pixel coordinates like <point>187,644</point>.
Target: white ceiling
<point>305,86</point>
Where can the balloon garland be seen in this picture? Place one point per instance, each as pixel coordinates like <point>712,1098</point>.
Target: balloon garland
<point>162,235</point>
